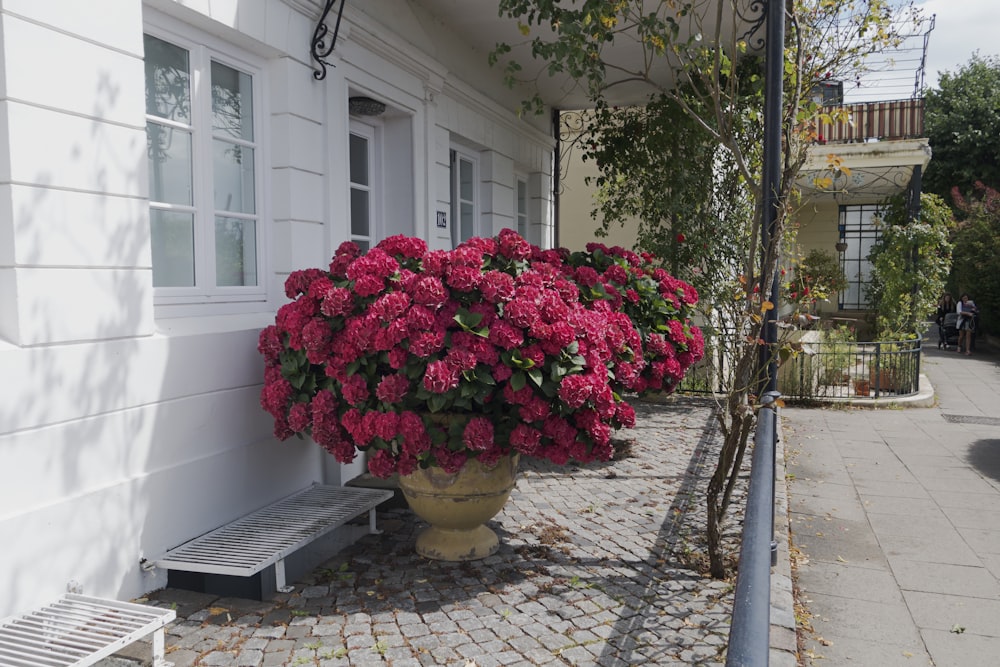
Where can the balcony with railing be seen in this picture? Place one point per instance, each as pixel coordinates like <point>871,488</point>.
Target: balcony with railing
<point>874,121</point>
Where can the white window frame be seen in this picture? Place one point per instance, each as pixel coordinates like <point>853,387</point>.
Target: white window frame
<point>375,188</point>
<point>459,153</point>
<point>206,298</point>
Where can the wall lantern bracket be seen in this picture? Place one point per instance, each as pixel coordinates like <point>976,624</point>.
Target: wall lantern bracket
<point>320,48</point>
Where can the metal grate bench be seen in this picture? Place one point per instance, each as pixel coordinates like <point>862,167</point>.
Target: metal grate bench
<point>79,630</point>
<point>248,545</point>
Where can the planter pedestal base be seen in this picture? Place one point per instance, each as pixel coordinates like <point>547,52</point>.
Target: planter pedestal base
<point>457,545</point>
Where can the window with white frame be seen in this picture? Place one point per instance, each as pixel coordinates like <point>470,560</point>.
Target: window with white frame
<point>203,150</point>
<point>860,231</point>
<point>464,179</point>
<point>364,166</point>
<point>521,204</point>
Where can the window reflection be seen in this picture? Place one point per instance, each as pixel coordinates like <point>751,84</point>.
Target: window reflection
<point>173,248</point>
<point>168,80</point>
<point>232,102</point>
<point>170,164</point>
<point>235,252</point>
<point>233,170</point>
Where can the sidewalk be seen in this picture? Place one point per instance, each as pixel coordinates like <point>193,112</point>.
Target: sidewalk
<point>596,567</point>
<point>895,514</point>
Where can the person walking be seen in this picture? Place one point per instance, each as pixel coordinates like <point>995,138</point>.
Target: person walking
<point>945,306</point>
<point>966,310</point>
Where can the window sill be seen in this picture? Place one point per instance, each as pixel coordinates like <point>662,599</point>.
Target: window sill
<point>212,324</point>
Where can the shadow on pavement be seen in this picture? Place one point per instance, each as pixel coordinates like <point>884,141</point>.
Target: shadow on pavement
<point>984,456</point>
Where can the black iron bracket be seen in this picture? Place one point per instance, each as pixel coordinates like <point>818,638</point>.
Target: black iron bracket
<point>320,49</point>
<point>755,14</point>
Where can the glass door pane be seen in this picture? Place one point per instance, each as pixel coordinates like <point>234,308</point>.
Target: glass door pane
<point>463,197</point>
<point>360,159</point>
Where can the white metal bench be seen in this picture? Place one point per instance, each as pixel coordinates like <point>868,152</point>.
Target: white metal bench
<point>79,630</point>
<point>250,544</point>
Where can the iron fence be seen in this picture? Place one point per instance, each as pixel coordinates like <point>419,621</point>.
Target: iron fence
<point>820,369</point>
<point>846,370</point>
<point>708,376</point>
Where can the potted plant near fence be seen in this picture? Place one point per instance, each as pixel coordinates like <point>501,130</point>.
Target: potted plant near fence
<point>446,366</point>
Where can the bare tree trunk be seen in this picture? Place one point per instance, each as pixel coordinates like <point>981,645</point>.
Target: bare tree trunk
<point>736,420</point>
<point>716,509</point>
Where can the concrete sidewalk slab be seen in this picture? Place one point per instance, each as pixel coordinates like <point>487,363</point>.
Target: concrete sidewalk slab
<point>901,553</point>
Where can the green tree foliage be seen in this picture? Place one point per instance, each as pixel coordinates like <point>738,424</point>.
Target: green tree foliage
<point>660,169</point>
<point>910,264</point>
<point>962,124</point>
<point>814,278</point>
<point>976,257</point>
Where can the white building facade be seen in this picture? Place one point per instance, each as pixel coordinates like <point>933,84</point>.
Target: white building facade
<point>164,165</point>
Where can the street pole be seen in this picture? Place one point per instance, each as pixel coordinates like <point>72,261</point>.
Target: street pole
<point>774,72</point>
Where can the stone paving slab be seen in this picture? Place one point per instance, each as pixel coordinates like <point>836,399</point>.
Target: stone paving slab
<point>913,578</point>
<point>598,565</point>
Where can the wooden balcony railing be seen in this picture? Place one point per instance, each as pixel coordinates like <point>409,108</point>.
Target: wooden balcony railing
<point>896,119</point>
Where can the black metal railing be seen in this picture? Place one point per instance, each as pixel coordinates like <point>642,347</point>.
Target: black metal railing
<point>750,630</point>
<point>709,375</point>
<point>820,369</point>
<point>848,370</point>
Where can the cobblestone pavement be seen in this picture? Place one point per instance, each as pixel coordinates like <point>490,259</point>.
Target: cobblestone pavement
<point>593,569</point>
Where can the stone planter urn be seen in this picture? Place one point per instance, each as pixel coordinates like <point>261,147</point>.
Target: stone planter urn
<point>457,507</point>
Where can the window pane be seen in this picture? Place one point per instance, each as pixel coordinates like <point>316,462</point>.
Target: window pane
<point>168,80</point>
<point>465,180</point>
<point>232,102</point>
<point>359,160</point>
<point>235,252</point>
<point>360,213</point>
<point>169,152</point>
<point>173,248</point>
<point>466,221</point>
<point>364,246</point>
<point>233,171</point>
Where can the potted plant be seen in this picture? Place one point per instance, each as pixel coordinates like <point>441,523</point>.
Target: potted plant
<point>441,364</point>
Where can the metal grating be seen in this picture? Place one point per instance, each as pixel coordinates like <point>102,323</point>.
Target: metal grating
<point>248,545</point>
<point>78,630</point>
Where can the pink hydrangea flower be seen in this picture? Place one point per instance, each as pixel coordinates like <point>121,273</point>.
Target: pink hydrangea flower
<point>382,464</point>
<point>478,434</point>
<point>354,390</point>
<point>392,389</point>
<point>497,286</point>
<point>575,390</point>
<point>526,439</point>
<point>440,377</point>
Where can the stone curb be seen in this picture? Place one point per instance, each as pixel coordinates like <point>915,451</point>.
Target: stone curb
<point>783,636</point>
